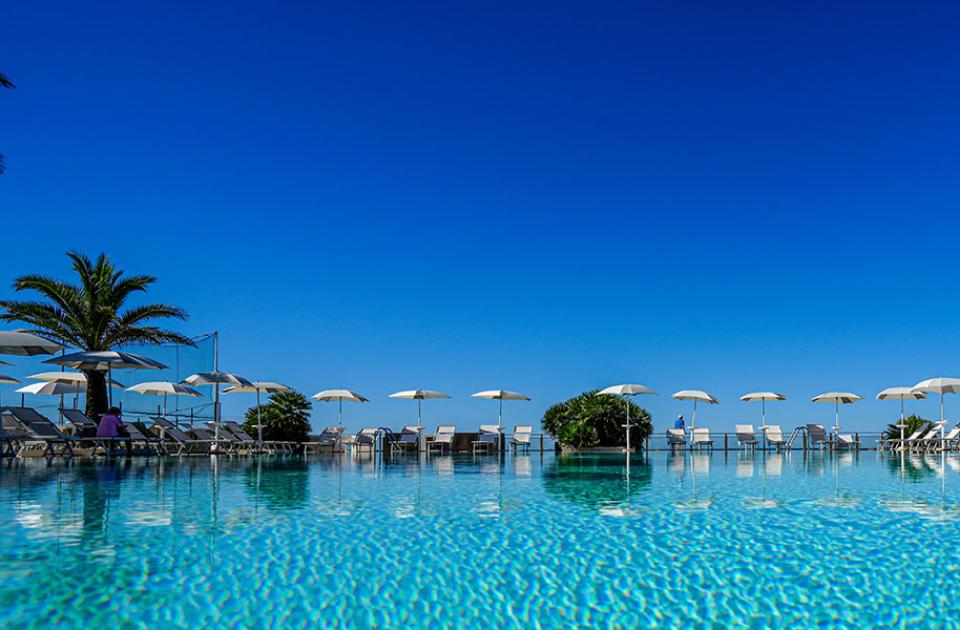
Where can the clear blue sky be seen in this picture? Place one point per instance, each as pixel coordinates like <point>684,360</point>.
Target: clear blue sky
<point>543,197</point>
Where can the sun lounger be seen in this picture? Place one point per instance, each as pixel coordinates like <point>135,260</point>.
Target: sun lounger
<point>248,442</point>
<point>951,439</point>
<point>774,436</point>
<point>366,438</point>
<point>846,441</point>
<point>817,436</point>
<point>522,435</point>
<point>928,440</point>
<point>177,442</point>
<point>36,435</point>
<point>329,438</point>
<point>443,438</point>
<point>225,443</point>
<point>489,437</point>
<point>700,438</point>
<point>746,436</point>
<point>407,440</point>
<point>676,438</point>
<point>896,444</point>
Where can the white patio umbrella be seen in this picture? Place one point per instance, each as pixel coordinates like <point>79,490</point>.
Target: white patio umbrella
<point>624,390</point>
<point>501,395</point>
<point>78,378</point>
<point>257,387</point>
<point>696,395</point>
<point>51,388</point>
<point>7,380</point>
<point>164,388</point>
<point>338,396</point>
<point>419,395</point>
<point>215,378</point>
<point>903,393</point>
<point>763,397</point>
<point>837,398</point>
<point>939,385</point>
<point>26,344</point>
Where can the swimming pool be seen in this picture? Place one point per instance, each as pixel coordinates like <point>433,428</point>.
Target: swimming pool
<point>730,539</point>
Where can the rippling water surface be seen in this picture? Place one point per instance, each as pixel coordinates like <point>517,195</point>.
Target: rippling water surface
<point>692,540</point>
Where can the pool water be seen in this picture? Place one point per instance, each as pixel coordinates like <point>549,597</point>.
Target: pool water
<point>729,539</point>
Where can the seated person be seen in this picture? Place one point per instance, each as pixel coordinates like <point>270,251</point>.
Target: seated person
<point>679,424</point>
<point>111,426</point>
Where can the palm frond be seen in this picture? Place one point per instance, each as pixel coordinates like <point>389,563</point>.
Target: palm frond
<point>5,82</point>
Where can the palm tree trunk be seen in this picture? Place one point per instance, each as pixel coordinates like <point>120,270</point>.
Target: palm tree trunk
<point>96,393</point>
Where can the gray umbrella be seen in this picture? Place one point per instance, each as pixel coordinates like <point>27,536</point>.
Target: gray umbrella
<point>106,361</point>
<point>26,344</point>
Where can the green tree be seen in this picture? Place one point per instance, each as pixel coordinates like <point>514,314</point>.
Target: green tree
<point>4,83</point>
<point>593,419</point>
<point>285,417</point>
<point>91,314</point>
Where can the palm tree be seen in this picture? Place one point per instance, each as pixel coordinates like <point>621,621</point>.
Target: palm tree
<point>91,315</point>
<point>6,83</point>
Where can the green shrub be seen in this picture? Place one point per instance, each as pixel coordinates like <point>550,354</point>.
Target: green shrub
<point>285,417</point>
<point>593,419</point>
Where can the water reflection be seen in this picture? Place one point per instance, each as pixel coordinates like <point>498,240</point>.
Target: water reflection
<point>595,480</point>
<point>281,483</point>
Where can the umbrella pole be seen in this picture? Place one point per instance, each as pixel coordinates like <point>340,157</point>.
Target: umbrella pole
<point>500,417</point>
<point>901,422</point>
<point>110,386</point>
<point>627,401</point>
<point>259,425</point>
<point>216,417</point>
<point>340,415</point>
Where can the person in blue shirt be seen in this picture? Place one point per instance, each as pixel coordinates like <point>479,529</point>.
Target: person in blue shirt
<point>679,424</point>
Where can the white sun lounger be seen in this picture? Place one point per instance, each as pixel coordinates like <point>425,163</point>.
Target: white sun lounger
<point>700,439</point>
<point>774,435</point>
<point>443,438</point>
<point>746,436</point>
<point>489,437</point>
<point>522,435</point>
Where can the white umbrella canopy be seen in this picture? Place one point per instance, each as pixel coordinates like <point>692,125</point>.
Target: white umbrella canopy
<point>338,396</point>
<point>26,344</point>
<point>255,387</point>
<point>623,390</point>
<point>837,398</point>
<point>501,395</point>
<point>164,388</point>
<point>696,395</point>
<point>626,389</point>
<point>901,393</point>
<point>763,397</point>
<point>51,388</point>
<point>78,378</point>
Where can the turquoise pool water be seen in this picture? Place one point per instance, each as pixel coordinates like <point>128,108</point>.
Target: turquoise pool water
<point>730,539</point>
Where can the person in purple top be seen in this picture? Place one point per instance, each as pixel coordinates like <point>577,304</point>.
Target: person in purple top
<point>111,426</point>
